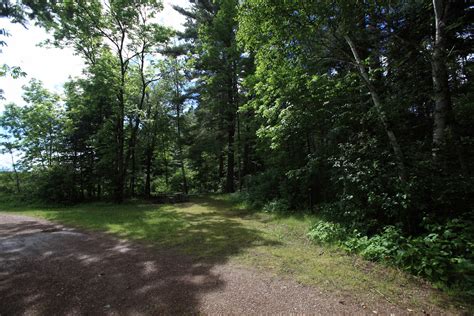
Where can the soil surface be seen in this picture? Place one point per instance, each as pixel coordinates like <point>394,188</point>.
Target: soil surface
<point>47,269</point>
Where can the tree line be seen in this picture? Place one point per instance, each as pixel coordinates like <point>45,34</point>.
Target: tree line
<point>361,108</point>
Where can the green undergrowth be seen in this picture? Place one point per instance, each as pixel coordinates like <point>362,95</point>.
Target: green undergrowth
<point>442,254</point>
<point>219,230</point>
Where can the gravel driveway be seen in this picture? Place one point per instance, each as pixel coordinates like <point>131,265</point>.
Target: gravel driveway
<point>47,269</point>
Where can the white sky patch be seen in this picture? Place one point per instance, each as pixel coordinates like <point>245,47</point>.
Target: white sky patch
<point>5,162</point>
<point>170,17</point>
<point>53,66</point>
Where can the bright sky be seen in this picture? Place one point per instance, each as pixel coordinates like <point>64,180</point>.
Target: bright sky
<point>53,66</point>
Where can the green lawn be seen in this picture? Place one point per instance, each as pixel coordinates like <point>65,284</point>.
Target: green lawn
<point>215,229</point>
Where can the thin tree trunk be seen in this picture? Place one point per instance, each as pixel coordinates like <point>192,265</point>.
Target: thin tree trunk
<point>378,106</point>
<point>149,152</point>
<point>180,151</point>
<point>132,174</point>
<point>232,103</point>
<point>74,174</point>
<point>120,182</point>
<point>229,187</point>
<point>120,177</point>
<point>178,127</point>
<point>167,177</point>
<point>81,182</point>
<point>239,153</point>
<point>50,148</point>
<point>149,158</point>
<point>130,154</point>
<point>221,164</point>
<point>132,144</point>
<point>90,182</point>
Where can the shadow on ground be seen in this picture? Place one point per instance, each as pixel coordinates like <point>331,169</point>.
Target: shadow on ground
<point>51,271</point>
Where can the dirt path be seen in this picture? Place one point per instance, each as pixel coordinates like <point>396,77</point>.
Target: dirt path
<point>46,269</point>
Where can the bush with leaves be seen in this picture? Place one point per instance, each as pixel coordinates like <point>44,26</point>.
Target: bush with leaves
<point>276,206</point>
<point>56,184</point>
<point>383,246</point>
<point>261,188</point>
<point>443,254</point>
<point>371,193</point>
<point>327,232</point>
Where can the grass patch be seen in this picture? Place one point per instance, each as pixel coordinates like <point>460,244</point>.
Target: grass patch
<point>214,228</point>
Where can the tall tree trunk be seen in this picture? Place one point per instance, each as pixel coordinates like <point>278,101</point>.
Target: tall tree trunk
<point>239,153</point>
<point>443,116</point>
<point>120,177</point>
<point>180,151</point>
<point>132,144</point>
<point>231,122</point>
<point>378,106</point>
<point>442,96</point>
<point>150,150</point>
<point>178,127</point>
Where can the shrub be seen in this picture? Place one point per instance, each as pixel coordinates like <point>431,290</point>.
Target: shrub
<point>444,254</point>
<point>276,206</point>
<point>327,232</point>
<point>261,188</point>
<point>378,247</point>
<point>55,184</point>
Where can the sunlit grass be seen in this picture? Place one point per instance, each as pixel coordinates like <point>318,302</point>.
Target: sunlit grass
<point>215,229</point>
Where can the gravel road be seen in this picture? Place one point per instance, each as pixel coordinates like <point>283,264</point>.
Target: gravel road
<point>47,269</point>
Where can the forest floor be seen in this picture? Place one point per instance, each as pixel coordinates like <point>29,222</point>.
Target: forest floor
<point>208,256</point>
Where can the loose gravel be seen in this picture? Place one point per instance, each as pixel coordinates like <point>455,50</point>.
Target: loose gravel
<point>48,269</point>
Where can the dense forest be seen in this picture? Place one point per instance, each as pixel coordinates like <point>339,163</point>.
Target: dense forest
<point>359,111</point>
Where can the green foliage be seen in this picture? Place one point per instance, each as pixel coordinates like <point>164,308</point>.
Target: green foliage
<point>371,193</point>
<point>276,206</point>
<point>13,71</point>
<point>327,232</point>
<point>56,185</point>
<point>380,247</point>
<point>262,187</point>
<point>7,184</point>
<point>443,254</point>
